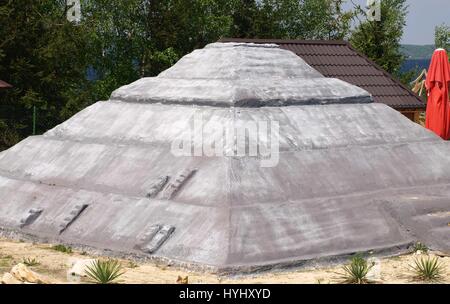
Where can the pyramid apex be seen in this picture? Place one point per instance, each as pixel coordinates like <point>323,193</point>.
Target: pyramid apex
<point>241,74</point>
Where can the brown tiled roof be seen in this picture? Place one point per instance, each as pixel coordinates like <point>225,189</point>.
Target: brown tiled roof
<point>4,85</point>
<point>338,59</point>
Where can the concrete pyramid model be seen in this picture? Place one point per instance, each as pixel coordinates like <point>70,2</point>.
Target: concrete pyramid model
<point>351,175</point>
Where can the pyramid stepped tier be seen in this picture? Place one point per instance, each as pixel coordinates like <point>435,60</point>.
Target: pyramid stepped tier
<point>242,75</point>
<point>350,175</point>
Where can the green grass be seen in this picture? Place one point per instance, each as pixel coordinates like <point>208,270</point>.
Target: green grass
<point>6,261</point>
<point>104,272</point>
<point>428,269</point>
<point>62,248</point>
<point>31,262</point>
<point>356,272</point>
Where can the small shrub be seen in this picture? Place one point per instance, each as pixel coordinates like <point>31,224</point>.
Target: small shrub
<point>104,272</point>
<point>356,272</point>
<point>181,280</point>
<point>62,248</point>
<point>428,269</point>
<point>420,247</point>
<point>30,262</point>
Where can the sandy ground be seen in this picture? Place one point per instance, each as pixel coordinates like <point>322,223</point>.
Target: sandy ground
<point>55,265</point>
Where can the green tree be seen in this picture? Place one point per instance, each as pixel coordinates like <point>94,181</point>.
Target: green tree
<point>442,37</point>
<point>42,55</point>
<point>291,19</point>
<point>46,57</point>
<point>244,14</point>
<point>138,38</point>
<point>380,40</point>
<point>323,20</point>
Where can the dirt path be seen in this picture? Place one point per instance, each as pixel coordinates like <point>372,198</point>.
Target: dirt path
<point>55,265</point>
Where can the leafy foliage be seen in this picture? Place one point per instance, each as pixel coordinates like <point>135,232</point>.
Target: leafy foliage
<point>46,57</point>
<point>380,40</point>
<point>356,272</point>
<point>428,269</point>
<point>43,57</point>
<point>104,272</point>
<point>291,19</point>
<point>442,37</point>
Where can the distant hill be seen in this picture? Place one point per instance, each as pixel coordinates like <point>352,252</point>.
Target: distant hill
<point>417,51</point>
<point>416,65</point>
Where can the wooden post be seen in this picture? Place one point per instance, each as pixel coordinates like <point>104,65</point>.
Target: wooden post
<point>417,116</point>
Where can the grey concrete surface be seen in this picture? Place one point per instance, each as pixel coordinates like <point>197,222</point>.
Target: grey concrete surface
<point>234,74</point>
<point>352,175</point>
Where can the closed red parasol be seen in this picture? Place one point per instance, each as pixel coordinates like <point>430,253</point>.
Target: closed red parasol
<point>438,105</point>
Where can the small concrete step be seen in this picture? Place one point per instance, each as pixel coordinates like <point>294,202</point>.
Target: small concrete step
<point>72,216</point>
<point>30,217</point>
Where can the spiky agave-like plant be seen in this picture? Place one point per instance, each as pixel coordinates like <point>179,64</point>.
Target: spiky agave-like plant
<point>428,269</point>
<point>30,262</point>
<point>356,272</point>
<point>104,271</point>
<point>420,247</point>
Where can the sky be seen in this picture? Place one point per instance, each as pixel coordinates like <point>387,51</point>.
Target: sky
<point>422,18</point>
